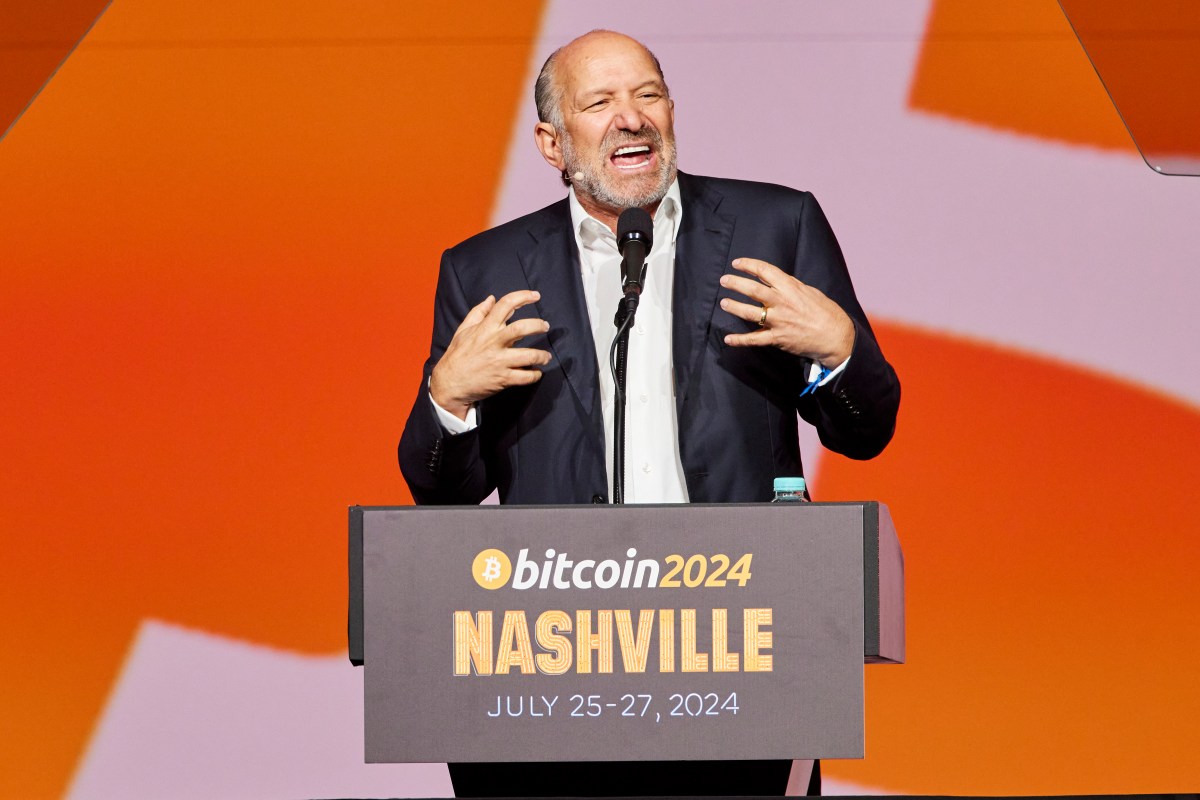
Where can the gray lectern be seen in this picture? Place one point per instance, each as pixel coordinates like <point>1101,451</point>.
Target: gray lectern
<point>621,633</point>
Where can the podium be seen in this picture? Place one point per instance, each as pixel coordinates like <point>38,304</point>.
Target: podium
<point>621,633</point>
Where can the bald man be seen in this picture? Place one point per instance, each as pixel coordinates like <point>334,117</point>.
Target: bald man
<point>748,317</point>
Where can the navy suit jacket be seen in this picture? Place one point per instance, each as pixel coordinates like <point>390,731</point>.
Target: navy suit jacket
<point>544,444</point>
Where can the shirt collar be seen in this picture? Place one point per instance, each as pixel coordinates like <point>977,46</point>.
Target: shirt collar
<point>589,230</point>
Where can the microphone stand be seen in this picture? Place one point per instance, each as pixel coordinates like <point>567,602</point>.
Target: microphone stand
<point>618,362</point>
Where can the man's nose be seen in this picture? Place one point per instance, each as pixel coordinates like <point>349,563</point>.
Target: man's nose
<point>629,118</point>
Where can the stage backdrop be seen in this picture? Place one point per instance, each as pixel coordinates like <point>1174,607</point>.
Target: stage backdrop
<point>219,230</point>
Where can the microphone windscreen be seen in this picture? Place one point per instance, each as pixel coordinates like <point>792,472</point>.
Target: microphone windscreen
<point>634,223</point>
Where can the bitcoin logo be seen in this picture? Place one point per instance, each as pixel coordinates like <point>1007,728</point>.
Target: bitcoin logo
<point>491,569</point>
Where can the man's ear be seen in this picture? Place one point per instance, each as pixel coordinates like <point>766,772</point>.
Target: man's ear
<point>548,145</point>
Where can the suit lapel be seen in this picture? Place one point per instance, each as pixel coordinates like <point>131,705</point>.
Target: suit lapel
<point>701,257</point>
<point>551,266</point>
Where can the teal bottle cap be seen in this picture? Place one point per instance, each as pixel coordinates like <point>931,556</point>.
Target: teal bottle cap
<point>789,485</point>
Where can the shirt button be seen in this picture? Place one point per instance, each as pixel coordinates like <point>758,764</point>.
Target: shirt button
<point>644,399</point>
<point>641,330</point>
<point>646,467</point>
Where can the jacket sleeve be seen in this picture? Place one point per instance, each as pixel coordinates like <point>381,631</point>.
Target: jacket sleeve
<point>442,468</point>
<point>855,413</point>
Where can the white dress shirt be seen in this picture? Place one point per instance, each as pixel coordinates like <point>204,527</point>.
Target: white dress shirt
<point>653,470</point>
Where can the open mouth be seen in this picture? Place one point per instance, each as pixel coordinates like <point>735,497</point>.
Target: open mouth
<point>632,156</point>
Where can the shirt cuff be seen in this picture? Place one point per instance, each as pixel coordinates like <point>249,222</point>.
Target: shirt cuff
<point>814,372</point>
<point>452,424</point>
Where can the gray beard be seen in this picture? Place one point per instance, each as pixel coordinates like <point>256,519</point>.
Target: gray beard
<point>594,184</point>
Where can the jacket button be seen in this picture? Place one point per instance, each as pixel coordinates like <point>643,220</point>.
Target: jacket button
<point>598,498</point>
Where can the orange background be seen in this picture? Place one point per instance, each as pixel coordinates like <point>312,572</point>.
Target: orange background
<point>219,229</point>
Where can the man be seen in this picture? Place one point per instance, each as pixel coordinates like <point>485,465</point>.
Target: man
<point>748,317</point>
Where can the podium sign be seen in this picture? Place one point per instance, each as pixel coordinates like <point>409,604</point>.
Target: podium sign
<point>578,633</point>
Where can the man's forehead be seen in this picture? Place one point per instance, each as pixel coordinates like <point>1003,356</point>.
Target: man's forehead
<point>591,63</point>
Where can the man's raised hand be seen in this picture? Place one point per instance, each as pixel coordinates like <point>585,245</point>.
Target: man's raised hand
<point>791,315</point>
<point>483,359</point>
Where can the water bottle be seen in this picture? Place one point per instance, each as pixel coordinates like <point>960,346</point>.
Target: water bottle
<point>790,490</point>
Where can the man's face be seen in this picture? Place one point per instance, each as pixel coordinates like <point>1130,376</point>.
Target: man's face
<point>618,124</point>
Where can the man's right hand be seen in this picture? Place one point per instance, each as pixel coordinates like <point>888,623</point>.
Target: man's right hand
<point>482,358</point>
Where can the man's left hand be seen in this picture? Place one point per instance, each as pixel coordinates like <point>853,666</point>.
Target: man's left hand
<point>791,315</point>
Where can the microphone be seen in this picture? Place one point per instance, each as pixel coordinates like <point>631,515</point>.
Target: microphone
<point>635,237</point>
